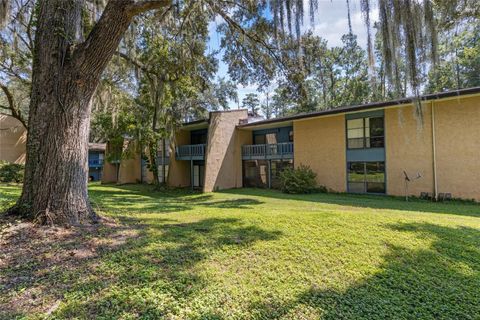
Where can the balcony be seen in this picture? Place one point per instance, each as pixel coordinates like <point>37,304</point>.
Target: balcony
<point>190,152</point>
<point>268,151</point>
<point>95,163</point>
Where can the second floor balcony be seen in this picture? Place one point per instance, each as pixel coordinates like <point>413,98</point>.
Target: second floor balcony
<point>95,162</point>
<point>190,152</point>
<point>268,151</point>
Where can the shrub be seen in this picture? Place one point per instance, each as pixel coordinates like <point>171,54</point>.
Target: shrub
<point>299,180</point>
<point>11,172</point>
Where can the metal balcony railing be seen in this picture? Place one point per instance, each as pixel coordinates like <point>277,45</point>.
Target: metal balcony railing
<point>190,152</point>
<point>95,163</point>
<point>268,151</point>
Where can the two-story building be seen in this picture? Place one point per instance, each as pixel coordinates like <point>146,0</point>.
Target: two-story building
<point>13,142</point>
<point>391,147</point>
<point>96,153</point>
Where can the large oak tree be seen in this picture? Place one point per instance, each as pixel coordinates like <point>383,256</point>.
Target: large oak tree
<point>66,72</point>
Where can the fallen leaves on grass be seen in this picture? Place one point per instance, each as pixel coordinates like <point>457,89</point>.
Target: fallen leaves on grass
<point>32,255</point>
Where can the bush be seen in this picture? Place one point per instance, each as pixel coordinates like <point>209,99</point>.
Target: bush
<point>11,172</point>
<point>299,180</point>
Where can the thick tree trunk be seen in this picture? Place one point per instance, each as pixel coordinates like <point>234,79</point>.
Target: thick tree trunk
<point>65,76</point>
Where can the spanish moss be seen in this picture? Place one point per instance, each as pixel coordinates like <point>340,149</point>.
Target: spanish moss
<point>4,12</point>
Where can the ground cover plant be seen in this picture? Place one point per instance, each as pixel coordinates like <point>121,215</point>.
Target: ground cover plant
<point>244,254</point>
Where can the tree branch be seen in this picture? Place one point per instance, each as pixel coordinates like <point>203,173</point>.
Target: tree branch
<point>146,69</point>
<point>252,37</point>
<point>134,62</point>
<point>141,6</point>
<point>11,106</point>
<point>92,56</point>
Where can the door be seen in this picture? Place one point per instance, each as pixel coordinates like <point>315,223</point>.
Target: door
<point>198,175</point>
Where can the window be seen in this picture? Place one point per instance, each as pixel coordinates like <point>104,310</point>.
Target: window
<point>199,137</point>
<point>161,178</point>
<point>366,177</point>
<point>268,138</point>
<point>365,133</point>
<point>259,139</point>
<point>255,173</point>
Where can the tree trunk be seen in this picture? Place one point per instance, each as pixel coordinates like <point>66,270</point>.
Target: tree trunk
<point>164,156</point>
<point>65,77</point>
<point>152,149</point>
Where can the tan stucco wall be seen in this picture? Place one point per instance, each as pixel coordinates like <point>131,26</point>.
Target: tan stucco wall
<point>408,143</point>
<point>320,144</point>
<point>223,167</point>
<point>130,170</point>
<point>13,139</point>
<point>109,174</point>
<point>130,167</point>
<point>457,140</point>
<point>179,171</point>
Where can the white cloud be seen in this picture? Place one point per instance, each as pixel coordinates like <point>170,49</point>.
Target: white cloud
<point>331,21</point>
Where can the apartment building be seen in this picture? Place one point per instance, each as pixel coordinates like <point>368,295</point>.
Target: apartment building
<point>392,148</point>
<point>13,146</point>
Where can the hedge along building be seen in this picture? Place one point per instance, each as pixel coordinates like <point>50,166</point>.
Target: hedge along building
<point>367,148</point>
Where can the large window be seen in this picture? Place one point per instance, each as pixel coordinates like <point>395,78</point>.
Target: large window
<point>365,133</point>
<point>366,177</point>
<point>256,173</point>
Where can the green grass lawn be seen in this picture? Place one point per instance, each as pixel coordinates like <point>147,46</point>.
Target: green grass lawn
<point>253,254</point>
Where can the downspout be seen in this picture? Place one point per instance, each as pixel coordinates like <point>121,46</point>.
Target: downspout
<point>435,183</point>
<point>270,174</point>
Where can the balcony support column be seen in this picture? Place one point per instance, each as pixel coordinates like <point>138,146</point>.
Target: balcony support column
<point>269,174</point>
<point>191,174</point>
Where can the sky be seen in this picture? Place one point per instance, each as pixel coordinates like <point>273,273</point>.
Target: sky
<point>330,23</point>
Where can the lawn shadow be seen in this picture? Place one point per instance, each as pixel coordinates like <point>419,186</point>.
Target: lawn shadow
<point>134,199</point>
<point>242,203</point>
<point>160,263</point>
<point>143,199</point>
<point>441,282</point>
<point>368,201</point>
<point>39,264</point>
